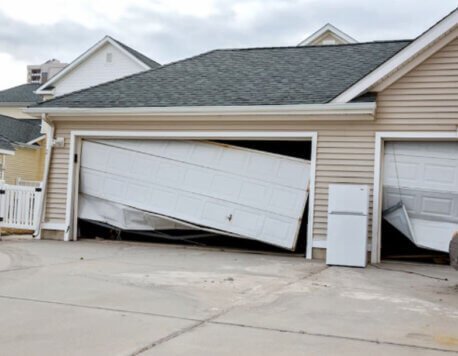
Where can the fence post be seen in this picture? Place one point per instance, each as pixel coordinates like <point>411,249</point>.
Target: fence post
<point>36,207</point>
<point>2,207</point>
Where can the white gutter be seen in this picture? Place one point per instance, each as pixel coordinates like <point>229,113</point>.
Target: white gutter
<point>44,92</point>
<point>49,145</point>
<point>7,152</point>
<point>38,139</point>
<point>345,109</point>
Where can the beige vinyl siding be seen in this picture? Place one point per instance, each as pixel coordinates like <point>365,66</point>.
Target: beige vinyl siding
<point>345,152</point>
<point>26,163</point>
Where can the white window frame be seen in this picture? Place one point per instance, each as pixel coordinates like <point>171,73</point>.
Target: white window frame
<point>76,137</point>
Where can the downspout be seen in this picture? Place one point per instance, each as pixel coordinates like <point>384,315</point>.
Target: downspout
<point>49,146</point>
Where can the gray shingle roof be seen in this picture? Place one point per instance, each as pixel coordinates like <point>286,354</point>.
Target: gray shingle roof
<point>23,93</point>
<point>148,61</point>
<point>6,144</point>
<point>258,76</point>
<point>19,130</point>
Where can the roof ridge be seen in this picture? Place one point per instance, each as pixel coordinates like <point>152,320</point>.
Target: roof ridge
<point>136,53</point>
<point>313,46</point>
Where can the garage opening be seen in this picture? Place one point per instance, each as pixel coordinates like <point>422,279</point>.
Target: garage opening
<point>263,183</point>
<point>420,200</point>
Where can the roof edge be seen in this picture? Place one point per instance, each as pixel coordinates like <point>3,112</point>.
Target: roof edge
<point>426,39</point>
<point>348,111</point>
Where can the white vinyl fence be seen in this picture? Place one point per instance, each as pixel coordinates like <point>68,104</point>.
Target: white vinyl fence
<point>19,206</point>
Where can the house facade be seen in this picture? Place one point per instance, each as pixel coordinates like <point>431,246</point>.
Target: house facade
<point>404,90</point>
<point>107,60</point>
<point>22,159</point>
<point>22,150</point>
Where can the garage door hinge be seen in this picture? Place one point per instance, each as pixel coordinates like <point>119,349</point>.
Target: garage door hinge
<point>75,158</point>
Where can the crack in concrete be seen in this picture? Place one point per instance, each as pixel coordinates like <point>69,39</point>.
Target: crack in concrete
<point>210,320</point>
<point>332,336</point>
<point>95,307</point>
<point>77,260</point>
<point>179,332</point>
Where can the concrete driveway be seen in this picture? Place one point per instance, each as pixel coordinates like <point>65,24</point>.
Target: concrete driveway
<point>117,298</point>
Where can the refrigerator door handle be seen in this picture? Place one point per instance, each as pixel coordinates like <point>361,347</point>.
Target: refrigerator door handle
<point>346,213</point>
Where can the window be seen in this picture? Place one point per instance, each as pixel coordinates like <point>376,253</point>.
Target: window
<point>109,57</point>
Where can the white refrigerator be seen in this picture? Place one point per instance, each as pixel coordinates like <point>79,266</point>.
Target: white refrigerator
<point>348,210</point>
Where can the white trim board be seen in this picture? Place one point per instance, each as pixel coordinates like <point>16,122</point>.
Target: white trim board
<point>77,136</point>
<point>347,111</point>
<point>380,139</point>
<point>425,40</point>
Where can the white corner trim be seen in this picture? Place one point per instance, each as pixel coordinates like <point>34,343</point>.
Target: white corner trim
<point>327,28</point>
<point>380,139</point>
<point>308,252</point>
<point>81,58</point>
<point>423,41</point>
<point>75,136</point>
<point>345,109</point>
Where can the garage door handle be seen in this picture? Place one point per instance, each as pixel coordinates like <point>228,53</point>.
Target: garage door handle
<point>229,217</point>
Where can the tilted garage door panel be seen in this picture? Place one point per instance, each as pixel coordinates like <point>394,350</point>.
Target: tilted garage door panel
<point>243,192</point>
<point>424,177</point>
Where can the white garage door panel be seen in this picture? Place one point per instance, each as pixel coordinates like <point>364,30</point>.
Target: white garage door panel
<point>428,166</point>
<point>144,169</point>
<point>424,204</point>
<point>253,201</point>
<point>262,166</point>
<point>121,216</point>
<point>424,176</point>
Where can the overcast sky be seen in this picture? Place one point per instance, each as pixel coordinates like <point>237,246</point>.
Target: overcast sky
<point>33,31</point>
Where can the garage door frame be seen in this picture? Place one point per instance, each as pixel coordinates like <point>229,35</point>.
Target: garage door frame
<point>76,138</point>
<point>380,139</point>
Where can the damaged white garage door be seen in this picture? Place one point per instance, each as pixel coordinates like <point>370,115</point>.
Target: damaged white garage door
<point>421,191</point>
<point>234,190</point>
